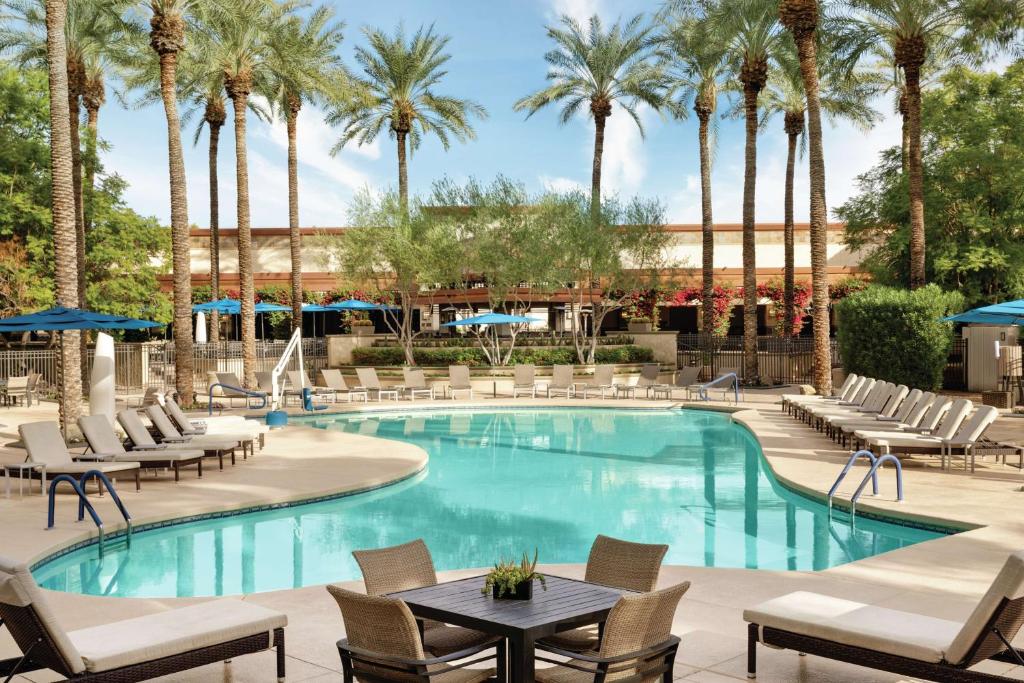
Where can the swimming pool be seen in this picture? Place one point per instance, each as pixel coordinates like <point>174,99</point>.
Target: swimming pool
<point>500,482</point>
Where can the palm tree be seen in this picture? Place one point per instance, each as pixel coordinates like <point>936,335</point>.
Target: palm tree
<point>752,35</point>
<point>167,38</point>
<point>597,68</point>
<point>844,95</point>
<point>94,96</point>
<point>64,232</point>
<point>306,68</point>
<point>397,94</point>
<point>912,30</point>
<point>695,66</point>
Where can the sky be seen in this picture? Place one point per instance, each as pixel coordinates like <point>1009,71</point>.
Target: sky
<point>497,49</point>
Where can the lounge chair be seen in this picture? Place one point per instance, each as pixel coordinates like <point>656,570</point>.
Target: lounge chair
<point>142,440</point>
<point>370,383</point>
<point>870,402</point>
<point>928,423</point>
<point>619,564</point>
<point>169,434</point>
<point>889,406</point>
<point>334,382</point>
<point>134,649</point>
<point>855,398</point>
<point>726,381</point>
<point>459,380</point>
<point>407,566</point>
<point>524,380</point>
<point>913,406</point>
<point>649,378</point>
<point>959,437</point>
<point>561,381</point>
<point>604,380</point>
<point>383,644</point>
<point>638,644</point>
<point>17,389</point>
<point>229,390</point>
<point>45,446</point>
<point>838,394</point>
<point>685,379</point>
<point>416,384</point>
<point>793,403</point>
<point>223,424</point>
<point>106,446</point>
<point>897,641</point>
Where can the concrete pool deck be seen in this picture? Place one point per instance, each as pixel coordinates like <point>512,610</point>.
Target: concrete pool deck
<point>942,578</point>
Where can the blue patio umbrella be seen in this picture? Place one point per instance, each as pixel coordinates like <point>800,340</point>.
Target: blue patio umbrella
<point>492,319</point>
<point>60,318</point>
<point>316,308</point>
<point>1006,313</point>
<point>234,307</point>
<point>357,305</point>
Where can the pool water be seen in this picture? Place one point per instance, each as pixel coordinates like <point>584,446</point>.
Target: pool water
<point>498,483</point>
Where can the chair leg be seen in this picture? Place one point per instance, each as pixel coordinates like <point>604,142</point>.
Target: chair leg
<point>177,473</point>
<point>501,659</point>
<point>752,632</point>
<point>279,645</point>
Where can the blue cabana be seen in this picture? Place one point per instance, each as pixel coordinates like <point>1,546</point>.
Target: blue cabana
<point>1006,313</point>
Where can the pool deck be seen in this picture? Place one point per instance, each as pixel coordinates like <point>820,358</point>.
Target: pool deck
<point>943,577</point>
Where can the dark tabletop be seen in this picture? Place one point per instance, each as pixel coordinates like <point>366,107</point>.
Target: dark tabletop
<point>565,603</point>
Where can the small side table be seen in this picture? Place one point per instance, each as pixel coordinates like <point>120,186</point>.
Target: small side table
<point>625,390</point>
<point>21,468</point>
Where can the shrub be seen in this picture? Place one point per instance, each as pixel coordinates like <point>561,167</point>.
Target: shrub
<point>382,356</point>
<point>897,335</point>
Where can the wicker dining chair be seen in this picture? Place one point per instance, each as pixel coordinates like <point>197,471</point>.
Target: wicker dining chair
<point>619,564</point>
<point>638,644</point>
<point>383,644</point>
<point>407,566</point>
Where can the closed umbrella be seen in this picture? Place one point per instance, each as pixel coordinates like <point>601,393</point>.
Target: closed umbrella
<point>200,328</point>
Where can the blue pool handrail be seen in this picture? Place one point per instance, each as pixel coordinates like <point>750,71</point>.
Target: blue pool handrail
<point>857,455</point>
<point>100,477</point>
<point>83,502</point>
<point>888,457</point>
<point>702,390</point>
<point>262,395</point>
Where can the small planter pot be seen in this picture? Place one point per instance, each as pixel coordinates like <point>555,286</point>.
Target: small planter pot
<point>523,591</point>
<point>637,326</point>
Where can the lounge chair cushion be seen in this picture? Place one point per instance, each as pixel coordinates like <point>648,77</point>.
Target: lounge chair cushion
<point>78,468</point>
<point>162,455</point>
<point>894,632</point>
<point>142,639</point>
<point>1009,584</point>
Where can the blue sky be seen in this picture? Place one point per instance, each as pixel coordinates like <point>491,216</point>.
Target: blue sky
<point>497,49</point>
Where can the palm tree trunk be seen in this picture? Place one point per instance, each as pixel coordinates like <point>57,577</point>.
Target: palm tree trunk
<point>750,369</point>
<point>63,207</point>
<point>905,130</point>
<point>707,227</point>
<point>245,272</point>
<point>92,115</point>
<point>294,232</point>
<point>74,116</point>
<point>403,172</point>
<point>180,256</point>
<point>214,228</point>
<point>915,176</point>
<point>788,278</point>
<point>807,52</point>
<point>595,175</point>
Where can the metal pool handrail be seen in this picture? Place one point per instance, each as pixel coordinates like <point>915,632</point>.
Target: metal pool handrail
<point>83,503</point>
<point>702,390</point>
<point>100,477</point>
<point>846,470</point>
<point>262,395</point>
<point>888,457</point>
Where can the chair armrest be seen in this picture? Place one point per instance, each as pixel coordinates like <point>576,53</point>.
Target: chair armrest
<point>582,656</point>
<point>150,447</point>
<point>175,439</point>
<point>343,644</point>
<point>94,456</point>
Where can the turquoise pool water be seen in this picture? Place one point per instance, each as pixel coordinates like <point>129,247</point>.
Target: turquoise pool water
<point>500,482</point>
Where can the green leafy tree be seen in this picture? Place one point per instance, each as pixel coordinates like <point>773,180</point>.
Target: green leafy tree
<point>973,162</point>
<point>397,94</point>
<point>596,68</point>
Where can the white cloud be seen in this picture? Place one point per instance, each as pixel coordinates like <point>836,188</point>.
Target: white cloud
<point>560,184</point>
<point>580,10</point>
<point>625,160</point>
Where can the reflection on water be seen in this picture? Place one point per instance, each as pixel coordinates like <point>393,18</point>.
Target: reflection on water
<point>499,483</point>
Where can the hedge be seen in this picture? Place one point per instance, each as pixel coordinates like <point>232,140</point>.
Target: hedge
<point>394,356</point>
<point>897,335</point>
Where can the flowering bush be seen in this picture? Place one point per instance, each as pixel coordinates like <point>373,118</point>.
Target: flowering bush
<point>722,299</point>
<point>775,291</point>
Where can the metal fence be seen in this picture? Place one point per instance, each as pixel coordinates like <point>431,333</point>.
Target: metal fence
<point>138,366</point>
<point>955,375</point>
<point>781,360</point>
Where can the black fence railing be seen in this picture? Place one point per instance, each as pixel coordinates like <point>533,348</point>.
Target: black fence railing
<point>781,360</point>
<point>955,375</point>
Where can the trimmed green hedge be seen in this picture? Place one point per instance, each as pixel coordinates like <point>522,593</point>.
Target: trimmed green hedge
<point>897,335</point>
<point>393,356</point>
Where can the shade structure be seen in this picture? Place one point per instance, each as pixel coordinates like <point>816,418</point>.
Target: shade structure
<point>317,308</point>
<point>61,318</point>
<point>357,305</point>
<point>1006,313</point>
<point>234,307</point>
<point>492,319</point>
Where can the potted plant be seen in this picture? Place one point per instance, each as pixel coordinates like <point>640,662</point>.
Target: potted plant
<point>362,327</point>
<point>511,581</point>
<point>640,324</point>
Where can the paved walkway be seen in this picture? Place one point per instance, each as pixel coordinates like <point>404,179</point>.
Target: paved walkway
<point>942,578</point>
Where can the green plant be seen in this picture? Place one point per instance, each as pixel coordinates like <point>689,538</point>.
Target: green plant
<point>898,335</point>
<point>382,356</point>
<point>507,574</point>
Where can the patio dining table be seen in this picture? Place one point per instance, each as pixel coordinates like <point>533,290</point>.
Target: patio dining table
<point>566,604</point>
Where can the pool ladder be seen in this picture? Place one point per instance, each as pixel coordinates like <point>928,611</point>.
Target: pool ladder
<point>872,475</point>
<point>78,485</point>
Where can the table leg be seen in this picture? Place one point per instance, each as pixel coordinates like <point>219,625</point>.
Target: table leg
<point>520,658</point>
<point>7,483</point>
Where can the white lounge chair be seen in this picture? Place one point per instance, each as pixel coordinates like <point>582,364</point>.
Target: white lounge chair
<point>960,436</point>
<point>912,408</point>
<point>334,382</point>
<point>45,446</point>
<point>848,383</point>
<point>416,384</point>
<point>524,380</point>
<point>561,381</point>
<point>459,380</point>
<point>134,649</point>
<point>169,434</point>
<point>684,380</point>
<point>898,641</point>
<point>214,425</point>
<point>106,446</point>
<point>890,405</point>
<point>369,382</point>
<point>142,440</point>
<point>604,380</point>
<point>927,423</point>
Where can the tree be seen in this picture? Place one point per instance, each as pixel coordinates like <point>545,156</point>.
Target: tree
<point>63,207</point>
<point>751,31</point>
<point>306,68</point>
<point>397,94</point>
<point>973,162</point>
<point>596,68</point>
<point>391,249</point>
<point>167,38</point>
<point>607,261</point>
<point>842,94</point>
<point>94,96</point>
<point>696,66</point>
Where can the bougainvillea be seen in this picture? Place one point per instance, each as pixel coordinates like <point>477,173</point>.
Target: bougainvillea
<point>845,288</point>
<point>722,299</point>
<point>775,291</point>
<point>643,305</point>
